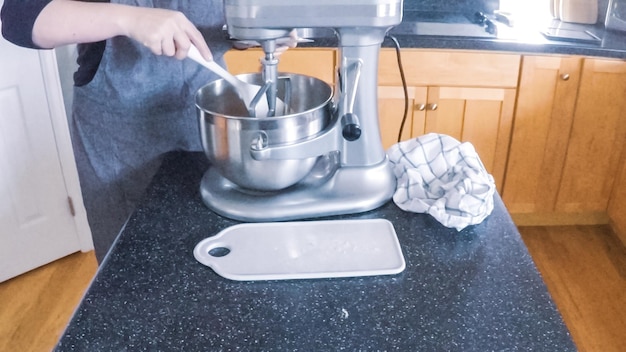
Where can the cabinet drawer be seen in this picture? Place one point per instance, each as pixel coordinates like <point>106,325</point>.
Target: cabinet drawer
<point>450,68</point>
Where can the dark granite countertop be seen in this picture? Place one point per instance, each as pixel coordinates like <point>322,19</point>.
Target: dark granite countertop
<point>523,37</point>
<point>474,290</point>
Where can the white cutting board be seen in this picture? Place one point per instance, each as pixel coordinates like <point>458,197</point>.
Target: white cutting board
<point>303,250</point>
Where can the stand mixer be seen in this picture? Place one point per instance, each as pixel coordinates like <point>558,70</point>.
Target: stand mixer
<point>333,151</point>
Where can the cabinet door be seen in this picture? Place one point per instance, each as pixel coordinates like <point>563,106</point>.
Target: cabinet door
<point>467,95</point>
<point>597,138</point>
<point>391,112</point>
<point>481,116</point>
<point>543,118</point>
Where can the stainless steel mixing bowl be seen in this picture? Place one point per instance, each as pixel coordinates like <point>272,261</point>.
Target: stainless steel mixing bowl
<point>228,133</point>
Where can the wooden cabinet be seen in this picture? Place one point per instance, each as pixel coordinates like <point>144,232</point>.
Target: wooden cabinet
<point>567,140</point>
<point>552,134</point>
<point>319,63</point>
<point>469,96</point>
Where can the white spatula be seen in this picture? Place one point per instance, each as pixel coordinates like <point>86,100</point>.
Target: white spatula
<point>246,91</point>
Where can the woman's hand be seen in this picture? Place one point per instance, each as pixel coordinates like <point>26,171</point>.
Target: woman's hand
<point>164,32</point>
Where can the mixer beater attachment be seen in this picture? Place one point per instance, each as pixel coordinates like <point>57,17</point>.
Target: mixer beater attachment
<point>269,89</point>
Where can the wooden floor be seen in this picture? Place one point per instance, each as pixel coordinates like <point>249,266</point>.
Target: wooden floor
<point>35,307</point>
<point>584,268</point>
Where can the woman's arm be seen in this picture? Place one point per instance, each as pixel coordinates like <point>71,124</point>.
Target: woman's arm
<point>18,17</point>
<point>165,32</point>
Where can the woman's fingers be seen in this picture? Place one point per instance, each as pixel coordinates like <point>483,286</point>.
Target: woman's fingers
<point>181,44</point>
<point>196,38</point>
<point>167,32</point>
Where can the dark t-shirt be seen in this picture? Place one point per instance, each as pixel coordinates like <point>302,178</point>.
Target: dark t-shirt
<point>18,18</point>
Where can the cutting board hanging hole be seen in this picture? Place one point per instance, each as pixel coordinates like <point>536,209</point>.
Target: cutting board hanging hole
<point>219,252</point>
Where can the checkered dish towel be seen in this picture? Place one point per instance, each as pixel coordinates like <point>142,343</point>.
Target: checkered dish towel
<point>443,177</point>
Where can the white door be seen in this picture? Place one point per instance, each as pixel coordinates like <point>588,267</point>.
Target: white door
<point>42,217</point>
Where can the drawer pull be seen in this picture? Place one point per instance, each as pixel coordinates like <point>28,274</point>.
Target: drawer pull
<point>565,76</point>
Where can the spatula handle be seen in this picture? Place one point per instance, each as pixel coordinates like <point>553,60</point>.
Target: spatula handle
<point>195,55</point>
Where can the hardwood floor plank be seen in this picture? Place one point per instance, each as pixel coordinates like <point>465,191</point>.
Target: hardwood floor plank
<point>584,267</point>
<point>35,307</point>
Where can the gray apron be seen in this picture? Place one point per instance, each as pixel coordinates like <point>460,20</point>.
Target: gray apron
<point>137,107</point>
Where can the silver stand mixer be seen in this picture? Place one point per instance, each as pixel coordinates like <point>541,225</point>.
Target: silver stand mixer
<point>332,154</point>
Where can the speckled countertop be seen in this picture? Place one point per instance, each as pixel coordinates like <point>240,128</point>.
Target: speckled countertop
<point>523,37</point>
<point>474,290</point>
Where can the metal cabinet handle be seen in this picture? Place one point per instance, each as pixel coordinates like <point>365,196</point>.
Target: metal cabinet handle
<point>565,76</point>
<point>422,107</point>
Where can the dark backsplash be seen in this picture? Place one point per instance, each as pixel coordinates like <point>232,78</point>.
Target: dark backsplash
<point>470,6</point>
<point>487,6</point>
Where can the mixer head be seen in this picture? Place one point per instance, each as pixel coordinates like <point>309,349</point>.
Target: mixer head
<point>265,21</point>
<point>272,19</point>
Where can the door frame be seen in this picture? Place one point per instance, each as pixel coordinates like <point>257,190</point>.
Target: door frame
<point>58,114</point>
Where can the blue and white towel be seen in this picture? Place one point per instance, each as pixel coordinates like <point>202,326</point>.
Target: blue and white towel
<point>443,177</point>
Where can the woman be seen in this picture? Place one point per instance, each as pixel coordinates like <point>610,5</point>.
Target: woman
<point>133,100</point>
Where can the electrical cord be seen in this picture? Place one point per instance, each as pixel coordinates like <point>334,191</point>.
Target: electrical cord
<point>404,86</point>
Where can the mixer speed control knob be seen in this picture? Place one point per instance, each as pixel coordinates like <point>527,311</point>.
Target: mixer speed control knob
<point>351,129</point>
